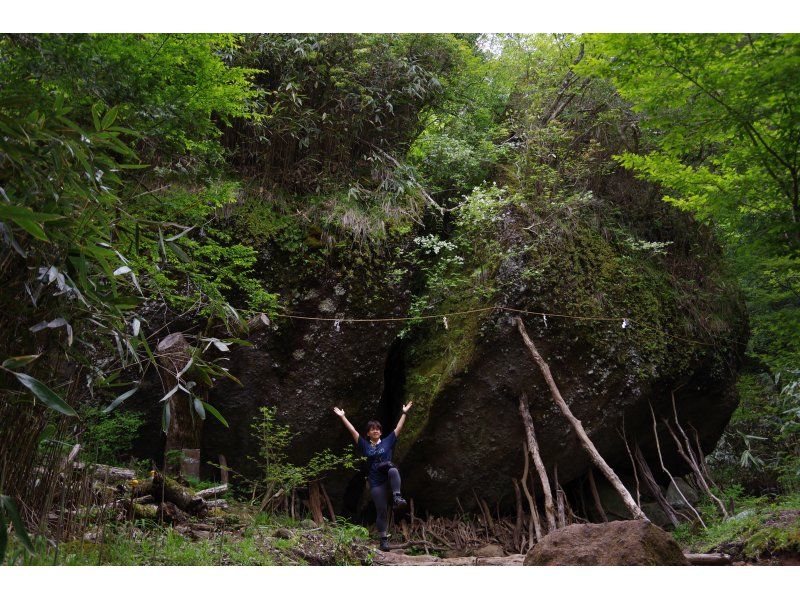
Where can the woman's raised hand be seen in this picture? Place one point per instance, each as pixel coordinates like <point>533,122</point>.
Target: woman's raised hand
<point>407,406</point>
<point>339,412</point>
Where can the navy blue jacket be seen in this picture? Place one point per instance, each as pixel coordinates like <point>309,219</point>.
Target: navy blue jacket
<point>375,455</point>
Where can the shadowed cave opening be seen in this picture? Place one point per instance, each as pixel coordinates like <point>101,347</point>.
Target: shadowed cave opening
<point>389,409</point>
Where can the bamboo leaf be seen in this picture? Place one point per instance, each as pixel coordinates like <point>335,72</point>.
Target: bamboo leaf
<point>34,228</point>
<point>118,401</point>
<point>180,253</point>
<point>185,368</point>
<point>109,117</point>
<point>13,363</point>
<point>165,415</point>
<point>176,388</point>
<point>7,504</point>
<point>44,394</point>
<point>213,411</point>
<point>14,212</point>
<point>198,406</point>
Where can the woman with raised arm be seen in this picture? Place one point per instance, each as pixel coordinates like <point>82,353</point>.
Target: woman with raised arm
<point>383,473</point>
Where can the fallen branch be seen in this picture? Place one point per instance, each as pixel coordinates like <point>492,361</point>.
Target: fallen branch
<point>594,455</point>
<point>653,487</point>
<point>168,490</point>
<point>212,492</point>
<point>596,496</point>
<point>714,558</point>
<point>666,471</point>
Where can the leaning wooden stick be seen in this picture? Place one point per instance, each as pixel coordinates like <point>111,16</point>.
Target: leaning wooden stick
<point>594,455</point>
<point>533,447</point>
<point>534,524</point>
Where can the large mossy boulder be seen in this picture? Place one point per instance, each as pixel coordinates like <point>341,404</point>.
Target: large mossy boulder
<point>639,306</point>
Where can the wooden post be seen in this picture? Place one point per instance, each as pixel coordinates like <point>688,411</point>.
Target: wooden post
<point>594,455</point>
<point>533,447</point>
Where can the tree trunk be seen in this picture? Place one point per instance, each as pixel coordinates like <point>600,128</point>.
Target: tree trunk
<point>183,431</point>
<point>533,447</point>
<point>594,455</point>
<point>315,503</point>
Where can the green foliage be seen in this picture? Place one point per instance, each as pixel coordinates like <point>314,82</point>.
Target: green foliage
<point>759,449</point>
<point>200,267</point>
<point>278,475</point>
<point>721,129</point>
<point>10,514</point>
<point>174,89</point>
<point>75,219</point>
<point>762,527</point>
<point>108,437</point>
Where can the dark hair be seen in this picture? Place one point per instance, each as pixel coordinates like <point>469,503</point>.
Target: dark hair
<point>374,424</point>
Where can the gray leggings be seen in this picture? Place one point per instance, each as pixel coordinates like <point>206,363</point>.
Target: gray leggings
<point>380,496</point>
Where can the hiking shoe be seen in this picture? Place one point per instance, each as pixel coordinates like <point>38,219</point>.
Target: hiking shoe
<point>400,503</point>
<point>384,545</point>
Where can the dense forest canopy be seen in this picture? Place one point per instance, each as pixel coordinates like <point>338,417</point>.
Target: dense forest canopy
<point>143,175</point>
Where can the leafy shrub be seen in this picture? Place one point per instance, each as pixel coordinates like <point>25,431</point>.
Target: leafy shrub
<point>108,437</point>
<point>278,476</point>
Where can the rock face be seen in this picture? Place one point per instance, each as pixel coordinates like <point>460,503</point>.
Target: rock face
<point>627,326</point>
<point>615,543</point>
<point>609,370</point>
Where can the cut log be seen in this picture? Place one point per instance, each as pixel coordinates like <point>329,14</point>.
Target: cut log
<point>714,558</point>
<point>533,447</point>
<point>143,489</point>
<point>145,511</point>
<point>212,492</point>
<point>168,490</point>
<point>398,559</point>
<point>106,472</point>
<point>170,513</point>
<point>219,503</point>
<point>577,426</point>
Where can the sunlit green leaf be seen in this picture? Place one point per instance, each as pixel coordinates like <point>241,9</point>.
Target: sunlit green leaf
<point>44,394</point>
